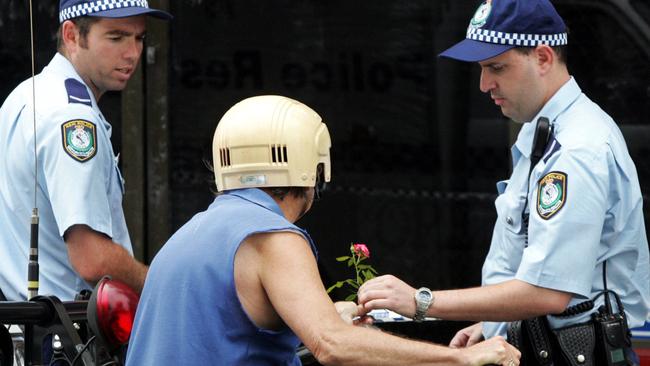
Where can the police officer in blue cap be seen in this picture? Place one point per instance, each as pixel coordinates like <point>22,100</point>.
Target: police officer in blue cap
<point>83,233</point>
<point>570,219</point>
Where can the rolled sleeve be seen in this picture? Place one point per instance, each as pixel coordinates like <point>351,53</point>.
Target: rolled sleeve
<point>77,190</point>
<point>564,248</point>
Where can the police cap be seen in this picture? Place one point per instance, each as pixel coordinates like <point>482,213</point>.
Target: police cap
<point>500,25</point>
<point>69,9</point>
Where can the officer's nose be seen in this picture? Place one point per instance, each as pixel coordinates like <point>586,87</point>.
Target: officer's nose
<point>133,50</point>
<point>487,83</point>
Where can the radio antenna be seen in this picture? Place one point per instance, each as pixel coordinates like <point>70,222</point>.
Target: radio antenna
<point>32,269</point>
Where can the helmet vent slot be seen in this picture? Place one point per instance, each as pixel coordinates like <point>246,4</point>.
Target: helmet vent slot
<point>224,155</point>
<point>279,153</point>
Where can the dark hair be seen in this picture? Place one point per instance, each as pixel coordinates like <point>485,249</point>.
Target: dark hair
<point>277,192</point>
<point>281,192</point>
<point>560,51</point>
<point>83,23</point>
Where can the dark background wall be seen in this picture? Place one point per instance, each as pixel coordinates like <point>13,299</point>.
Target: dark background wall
<point>416,148</point>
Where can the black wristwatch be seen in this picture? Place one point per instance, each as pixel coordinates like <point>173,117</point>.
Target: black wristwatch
<point>423,301</point>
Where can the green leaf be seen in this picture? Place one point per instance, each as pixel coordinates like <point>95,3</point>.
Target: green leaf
<point>368,275</point>
<point>364,266</point>
<point>343,259</point>
<point>339,284</point>
<point>373,270</point>
<point>351,297</point>
<point>350,262</point>
<point>352,283</point>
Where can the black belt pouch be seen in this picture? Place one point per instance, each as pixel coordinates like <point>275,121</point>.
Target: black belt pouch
<point>531,338</point>
<point>577,344</point>
<point>569,346</point>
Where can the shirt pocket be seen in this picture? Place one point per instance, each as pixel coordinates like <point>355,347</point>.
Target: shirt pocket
<point>509,210</point>
<point>510,232</point>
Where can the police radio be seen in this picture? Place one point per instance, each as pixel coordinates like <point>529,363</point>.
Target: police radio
<point>543,131</point>
<point>612,333</point>
<point>540,140</point>
<point>613,337</point>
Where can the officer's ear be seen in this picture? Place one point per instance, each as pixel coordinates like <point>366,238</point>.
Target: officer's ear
<point>545,58</point>
<point>70,36</point>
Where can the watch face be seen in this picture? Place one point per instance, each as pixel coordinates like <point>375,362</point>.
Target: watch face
<point>424,296</point>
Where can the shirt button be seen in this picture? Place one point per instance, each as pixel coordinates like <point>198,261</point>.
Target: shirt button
<point>509,220</point>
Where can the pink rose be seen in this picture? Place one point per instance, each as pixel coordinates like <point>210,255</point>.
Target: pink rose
<point>361,250</point>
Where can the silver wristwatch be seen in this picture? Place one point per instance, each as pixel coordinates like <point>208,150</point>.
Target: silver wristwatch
<point>423,300</point>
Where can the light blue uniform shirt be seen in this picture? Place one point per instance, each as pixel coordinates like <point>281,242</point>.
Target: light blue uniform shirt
<point>593,215</point>
<point>80,186</point>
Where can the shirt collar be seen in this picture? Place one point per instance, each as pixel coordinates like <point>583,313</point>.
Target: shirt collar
<point>559,103</point>
<point>258,197</point>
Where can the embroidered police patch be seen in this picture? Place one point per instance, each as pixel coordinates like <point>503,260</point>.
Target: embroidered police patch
<point>551,194</point>
<point>481,15</point>
<point>79,139</point>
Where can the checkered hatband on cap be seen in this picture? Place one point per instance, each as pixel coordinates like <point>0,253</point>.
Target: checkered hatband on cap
<point>96,6</point>
<point>516,39</point>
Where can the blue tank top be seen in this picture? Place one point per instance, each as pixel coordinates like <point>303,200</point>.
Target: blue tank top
<point>189,312</point>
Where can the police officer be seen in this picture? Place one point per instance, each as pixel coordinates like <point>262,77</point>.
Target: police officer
<point>83,233</point>
<point>238,284</point>
<point>559,220</point>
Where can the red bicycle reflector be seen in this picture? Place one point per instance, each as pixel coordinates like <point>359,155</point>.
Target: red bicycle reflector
<point>111,311</point>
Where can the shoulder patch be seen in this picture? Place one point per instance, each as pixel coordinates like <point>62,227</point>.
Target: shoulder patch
<point>79,139</point>
<point>77,92</point>
<point>551,194</point>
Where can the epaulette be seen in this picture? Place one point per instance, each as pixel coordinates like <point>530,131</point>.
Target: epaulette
<point>77,92</point>
<point>551,148</point>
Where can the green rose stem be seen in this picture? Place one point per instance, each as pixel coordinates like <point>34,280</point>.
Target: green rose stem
<point>363,272</point>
